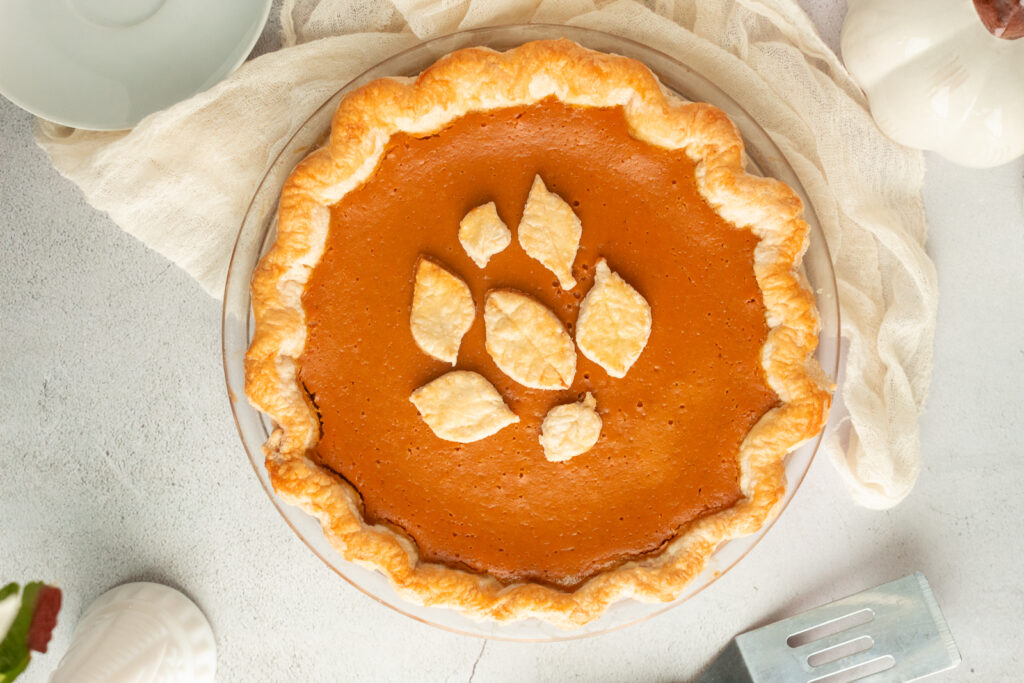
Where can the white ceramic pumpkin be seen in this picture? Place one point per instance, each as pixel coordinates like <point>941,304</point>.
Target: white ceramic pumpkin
<point>938,78</point>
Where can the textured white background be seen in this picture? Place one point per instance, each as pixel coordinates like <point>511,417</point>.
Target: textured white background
<point>119,461</point>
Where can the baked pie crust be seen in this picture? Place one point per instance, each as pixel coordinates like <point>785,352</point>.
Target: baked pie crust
<point>473,80</point>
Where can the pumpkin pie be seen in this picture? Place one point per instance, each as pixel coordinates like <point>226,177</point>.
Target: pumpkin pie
<point>532,340</point>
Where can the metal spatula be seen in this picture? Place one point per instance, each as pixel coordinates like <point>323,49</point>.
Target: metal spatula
<point>894,632</point>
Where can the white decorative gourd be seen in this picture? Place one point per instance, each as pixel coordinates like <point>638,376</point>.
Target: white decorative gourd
<point>140,633</point>
<point>937,76</point>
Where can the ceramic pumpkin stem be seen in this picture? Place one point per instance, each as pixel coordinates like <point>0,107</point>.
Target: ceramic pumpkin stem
<point>1003,18</point>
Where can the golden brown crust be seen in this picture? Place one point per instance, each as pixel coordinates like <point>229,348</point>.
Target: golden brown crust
<point>479,79</point>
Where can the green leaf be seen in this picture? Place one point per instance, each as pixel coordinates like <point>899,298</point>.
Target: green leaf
<point>19,667</point>
<point>8,590</point>
<point>14,653</point>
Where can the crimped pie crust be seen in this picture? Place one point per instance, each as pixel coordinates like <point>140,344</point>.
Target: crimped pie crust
<point>478,79</point>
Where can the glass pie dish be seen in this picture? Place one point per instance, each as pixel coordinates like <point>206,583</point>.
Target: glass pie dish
<point>257,234</point>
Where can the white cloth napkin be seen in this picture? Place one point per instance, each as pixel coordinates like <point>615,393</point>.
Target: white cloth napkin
<point>181,180</point>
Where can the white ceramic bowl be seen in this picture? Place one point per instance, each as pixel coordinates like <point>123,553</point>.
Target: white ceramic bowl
<point>106,64</point>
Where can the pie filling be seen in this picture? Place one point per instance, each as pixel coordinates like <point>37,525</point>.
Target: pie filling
<point>672,427</point>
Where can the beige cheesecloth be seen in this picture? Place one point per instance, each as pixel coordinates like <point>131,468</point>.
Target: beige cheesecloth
<point>182,179</point>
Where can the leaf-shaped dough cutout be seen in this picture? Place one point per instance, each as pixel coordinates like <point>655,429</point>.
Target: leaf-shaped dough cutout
<point>614,322</point>
<point>462,406</point>
<point>550,232</point>
<point>483,234</point>
<point>527,341</point>
<point>442,311</point>
<point>571,429</point>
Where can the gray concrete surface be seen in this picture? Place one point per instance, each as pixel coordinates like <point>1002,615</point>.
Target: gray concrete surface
<point>119,461</point>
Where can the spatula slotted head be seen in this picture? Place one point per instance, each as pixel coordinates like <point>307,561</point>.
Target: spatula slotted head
<point>894,632</point>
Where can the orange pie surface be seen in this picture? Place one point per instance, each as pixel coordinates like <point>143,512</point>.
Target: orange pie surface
<point>672,427</point>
